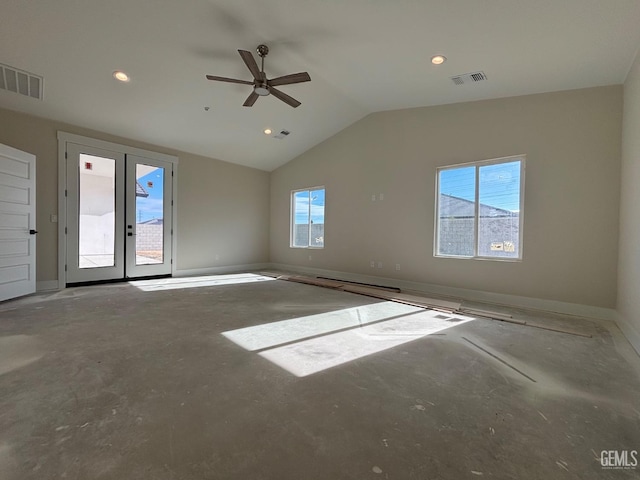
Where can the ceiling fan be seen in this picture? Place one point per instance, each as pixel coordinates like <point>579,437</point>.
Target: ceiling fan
<point>261,85</point>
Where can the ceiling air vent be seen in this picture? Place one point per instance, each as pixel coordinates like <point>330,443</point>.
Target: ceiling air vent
<point>469,78</point>
<point>282,134</point>
<point>21,82</point>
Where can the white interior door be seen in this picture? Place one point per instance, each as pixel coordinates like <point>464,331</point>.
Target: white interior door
<point>149,221</point>
<point>95,214</point>
<point>17,223</point>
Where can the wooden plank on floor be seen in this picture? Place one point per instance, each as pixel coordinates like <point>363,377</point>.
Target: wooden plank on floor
<point>315,281</point>
<point>368,291</point>
<point>360,284</point>
<point>568,331</point>
<point>415,300</point>
<point>272,274</point>
<point>487,313</point>
<point>509,319</point>
<point>489,317</point>
<point>430,301</point>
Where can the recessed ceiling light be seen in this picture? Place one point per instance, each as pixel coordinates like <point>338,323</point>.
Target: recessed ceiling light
<point>438,59</point>
<point>267,131</point>
<point>120,75</point>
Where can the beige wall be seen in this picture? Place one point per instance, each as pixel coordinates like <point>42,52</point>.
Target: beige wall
<point>572,143</point>
<point>629,260</point>
<point>222,208</point>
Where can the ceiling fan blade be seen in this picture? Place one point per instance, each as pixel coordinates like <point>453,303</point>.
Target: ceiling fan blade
<point>251,99</point>
<point>284,97</point>
<point>289,79</point>
<point>251,64</point>
<point>230,80</point>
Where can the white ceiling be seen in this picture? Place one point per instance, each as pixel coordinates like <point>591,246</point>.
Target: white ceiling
<point>363,56</point>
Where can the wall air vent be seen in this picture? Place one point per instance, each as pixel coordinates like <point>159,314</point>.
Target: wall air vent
<point>282,134</point>
<point>21,82</point>
<point>469,78</point>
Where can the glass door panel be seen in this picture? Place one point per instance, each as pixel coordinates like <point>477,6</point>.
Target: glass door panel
<point>97,209</point>
<point>149,187</point>
<point>149,214</point>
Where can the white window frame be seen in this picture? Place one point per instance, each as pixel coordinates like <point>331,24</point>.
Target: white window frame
<point>482,163</point>
<point>293,213</point>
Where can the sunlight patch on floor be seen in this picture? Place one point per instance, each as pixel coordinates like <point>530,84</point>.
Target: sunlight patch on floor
<point>270,335</point>
<point>310,344</point>
<point>196,282</point>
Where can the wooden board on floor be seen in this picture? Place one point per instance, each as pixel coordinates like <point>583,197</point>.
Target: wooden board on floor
<point>430,301</point>
<point>315,281</point>
<point>272,274</point>
<point>487,313</point>
<point>509,319</point>
<point>365,285</point>
<point>424,302</point>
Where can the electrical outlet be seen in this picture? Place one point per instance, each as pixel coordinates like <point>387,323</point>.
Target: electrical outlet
<point>397,266</point>
<point>379,264</point>
<point>309,257</point>
<point>373,197</point>
<point>373,264</point>
<point>381,196</point>
<point>54,218</point>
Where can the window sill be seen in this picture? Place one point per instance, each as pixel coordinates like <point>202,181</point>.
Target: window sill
<point>485,259</point>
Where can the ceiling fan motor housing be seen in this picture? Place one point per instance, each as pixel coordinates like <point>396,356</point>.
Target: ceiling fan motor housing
<point>262,90</point>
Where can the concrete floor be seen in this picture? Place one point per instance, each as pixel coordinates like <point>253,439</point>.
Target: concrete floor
<point>184,379</point>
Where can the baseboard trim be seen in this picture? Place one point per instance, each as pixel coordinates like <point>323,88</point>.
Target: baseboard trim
<point>47,286</point>
<point>194,272</point>
<point>629,331</point>
<point>554,306</point>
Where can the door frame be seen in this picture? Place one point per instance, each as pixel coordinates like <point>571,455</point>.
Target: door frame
<point>65,138</point>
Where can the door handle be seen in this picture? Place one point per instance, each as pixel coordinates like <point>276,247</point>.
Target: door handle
<point>32,232</point>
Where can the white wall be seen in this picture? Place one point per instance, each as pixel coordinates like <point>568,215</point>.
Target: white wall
<point>97,194</point>
<point>628,304</point>
<point>572,143</point>
<point>96,234</point>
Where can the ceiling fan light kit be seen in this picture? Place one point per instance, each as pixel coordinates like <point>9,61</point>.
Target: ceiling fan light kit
<point>262,86</point>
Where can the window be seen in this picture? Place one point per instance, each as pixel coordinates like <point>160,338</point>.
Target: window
<point>479,209</point>
<point>307,218</point>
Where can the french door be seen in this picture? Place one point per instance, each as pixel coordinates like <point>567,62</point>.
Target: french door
<point>119,211</point>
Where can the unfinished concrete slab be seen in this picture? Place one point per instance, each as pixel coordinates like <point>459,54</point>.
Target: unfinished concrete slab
<point>241,376</point>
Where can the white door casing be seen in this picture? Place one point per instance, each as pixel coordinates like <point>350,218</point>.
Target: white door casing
<point>17,223</point>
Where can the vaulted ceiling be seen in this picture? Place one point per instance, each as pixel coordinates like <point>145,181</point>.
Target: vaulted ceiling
<point>363,56</point>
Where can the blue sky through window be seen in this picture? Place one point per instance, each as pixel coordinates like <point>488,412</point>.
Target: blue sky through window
<point>499,184</point>
<point>302,201</point>
<point>152,206</point>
